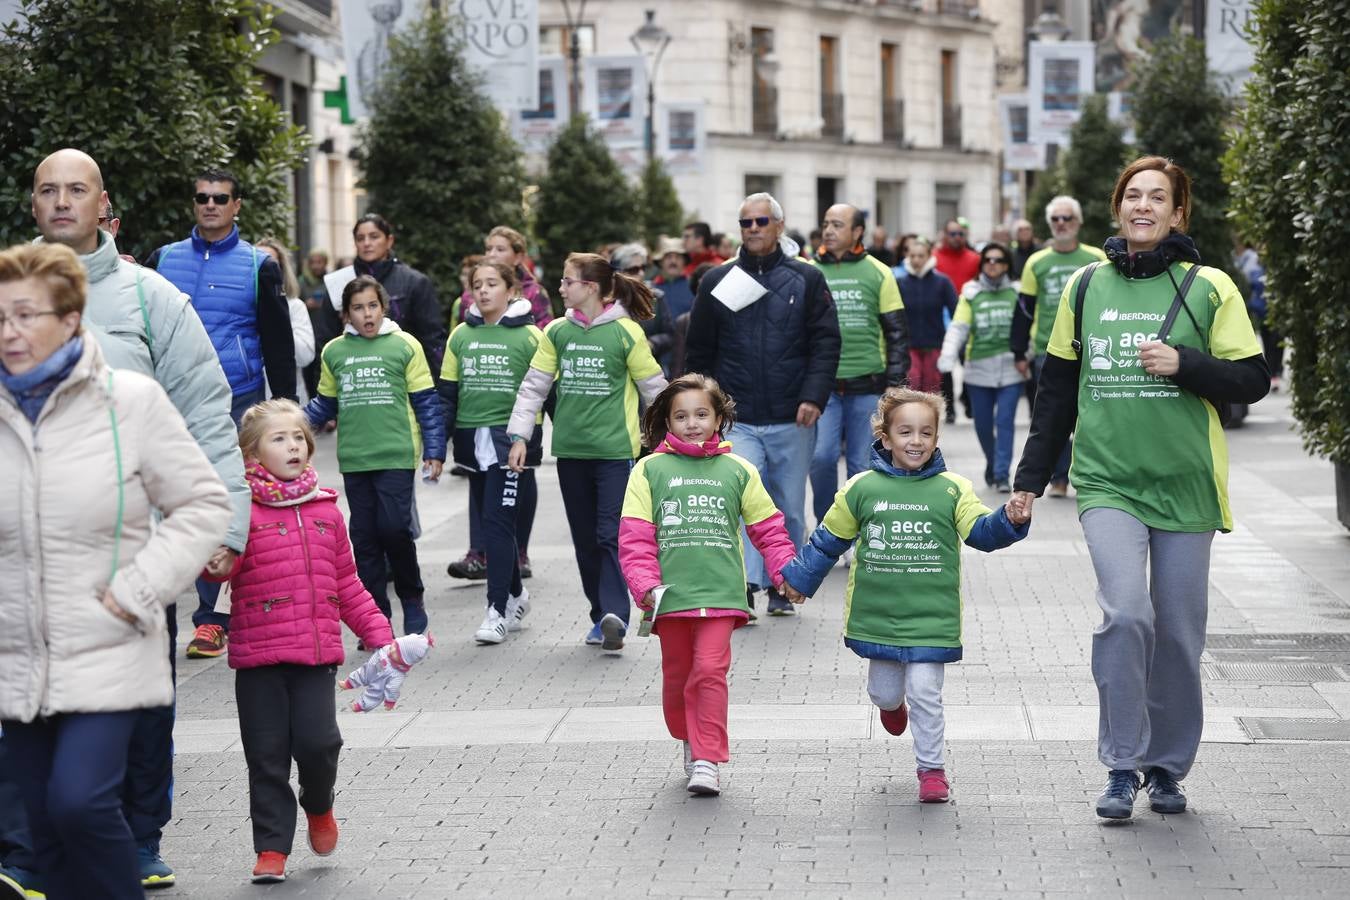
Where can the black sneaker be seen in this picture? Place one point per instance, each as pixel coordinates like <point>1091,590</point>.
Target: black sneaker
<point>523,560</point>
<point>472,567</point>
<point>780,605</point>
<point>1164,794</point>
<point>1117,801</point>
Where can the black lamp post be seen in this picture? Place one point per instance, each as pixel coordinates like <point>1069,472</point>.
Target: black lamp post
<point>651,41</point>
<point>574,52</point>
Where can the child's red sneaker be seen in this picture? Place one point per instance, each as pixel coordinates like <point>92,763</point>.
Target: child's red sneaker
<point>933,786</point>
<point>323,833</point>
<point>271,867</point>
<point>895,720</point>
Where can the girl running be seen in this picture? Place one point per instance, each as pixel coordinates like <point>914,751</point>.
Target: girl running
<point>376,383</point>
<point>681,551</point>
<point>600,360</point>
<point>485,361</point>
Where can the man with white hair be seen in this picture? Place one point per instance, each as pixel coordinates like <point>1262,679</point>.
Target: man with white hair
<point>764,326</point>
<point>1043,279</point>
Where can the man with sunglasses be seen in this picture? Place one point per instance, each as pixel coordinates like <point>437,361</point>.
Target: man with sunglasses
<point>1043,279</point>
<point>236,290</point>
<point>771,339</point>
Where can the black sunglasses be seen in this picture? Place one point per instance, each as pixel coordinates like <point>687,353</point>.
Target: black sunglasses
<point>761,221</point>
<point>1061,218</point>
<point>217,199</point>
<point>997,260</point>
<point>956,233</point>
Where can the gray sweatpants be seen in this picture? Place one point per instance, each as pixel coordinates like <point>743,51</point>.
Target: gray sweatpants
<point>1146,652</point>
<point>889,683</point>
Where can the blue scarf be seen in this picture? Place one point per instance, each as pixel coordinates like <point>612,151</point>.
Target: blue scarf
<point>32,388</point>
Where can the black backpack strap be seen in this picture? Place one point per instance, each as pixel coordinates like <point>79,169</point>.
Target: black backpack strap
<point>1078,295</point>
<point>1177,303</point>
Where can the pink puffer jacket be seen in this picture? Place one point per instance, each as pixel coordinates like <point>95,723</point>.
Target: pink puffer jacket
<point>295,585</point>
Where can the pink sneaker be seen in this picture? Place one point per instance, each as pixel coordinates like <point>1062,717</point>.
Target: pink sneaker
<point>895,720</point>
<point>933,786</point>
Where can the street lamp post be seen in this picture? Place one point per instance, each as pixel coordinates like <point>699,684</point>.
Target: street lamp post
<point>651,41</point>
<point>574,52</point>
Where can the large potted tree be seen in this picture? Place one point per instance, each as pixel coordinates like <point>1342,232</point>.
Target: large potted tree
<point>1291,197</point>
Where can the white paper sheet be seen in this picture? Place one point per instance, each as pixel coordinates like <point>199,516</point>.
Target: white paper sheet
<point>737,290</point>
<point>335,282</point>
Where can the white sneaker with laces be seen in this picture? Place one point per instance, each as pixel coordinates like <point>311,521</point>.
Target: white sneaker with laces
<point>493,629</point>
<point>517,608</point>
<point>703,779</point>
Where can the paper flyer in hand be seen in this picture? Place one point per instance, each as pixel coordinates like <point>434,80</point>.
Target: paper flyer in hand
<point>645,626</point>
<point>334,282</point>
<point>737,289</point>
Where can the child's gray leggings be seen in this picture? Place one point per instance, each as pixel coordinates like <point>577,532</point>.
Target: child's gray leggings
<point>889,683</point>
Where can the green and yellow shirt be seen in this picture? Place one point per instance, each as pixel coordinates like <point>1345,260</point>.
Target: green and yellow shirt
<point>863,289</point>
<point>1044,276</point>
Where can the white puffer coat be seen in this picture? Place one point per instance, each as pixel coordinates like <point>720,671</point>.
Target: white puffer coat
<point>65,527</point>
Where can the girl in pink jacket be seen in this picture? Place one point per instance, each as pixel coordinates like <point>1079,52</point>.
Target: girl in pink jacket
<point>680,552</point>
<point>292,588</point>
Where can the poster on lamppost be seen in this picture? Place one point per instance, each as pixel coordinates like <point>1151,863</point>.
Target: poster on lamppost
<point>1228,47</point>
<point>501,40</point>
<point>614,96</point>
<point>680,136</point>
<point>536,128</point>
<point>1060,77</point>
<point>1020,153</point>
<point>367,27</point>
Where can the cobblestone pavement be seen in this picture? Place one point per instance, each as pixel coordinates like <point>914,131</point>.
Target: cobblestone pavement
<point>541,767</point>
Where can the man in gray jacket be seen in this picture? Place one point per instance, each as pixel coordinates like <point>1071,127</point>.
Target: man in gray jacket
<point>145,324</point>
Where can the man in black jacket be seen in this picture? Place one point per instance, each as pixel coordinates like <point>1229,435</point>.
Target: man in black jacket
<point>764,326</point>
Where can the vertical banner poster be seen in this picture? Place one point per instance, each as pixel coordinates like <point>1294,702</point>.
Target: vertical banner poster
<point>366,30</point>
<point>615,98</point>
<point>1060,78</point>
<point>681,139</point>
<point>1019,151</point>
<point>536,128</point>
<point>501,40</point>
<point>1228,48</point>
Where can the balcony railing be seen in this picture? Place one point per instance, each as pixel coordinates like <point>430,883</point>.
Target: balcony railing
<point>951,126</point>
<point>893,121</point>
<point>764,110</point>
<point>832,114</point>
<point>965,8</point>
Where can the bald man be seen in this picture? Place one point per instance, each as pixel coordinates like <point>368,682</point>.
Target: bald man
<point>145,324</point>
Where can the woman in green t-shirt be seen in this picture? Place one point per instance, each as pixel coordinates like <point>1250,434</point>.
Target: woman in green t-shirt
<point>1167,342</point>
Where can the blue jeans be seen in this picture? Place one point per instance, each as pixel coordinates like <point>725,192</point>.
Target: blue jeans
<point>847,420</point>
<point>995,410</point>
<point>782,454</point>
<point>1061,473</point>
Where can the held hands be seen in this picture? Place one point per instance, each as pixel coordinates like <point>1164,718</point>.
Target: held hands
<point>515,460</point>
<point>431,469</point>
<point>792,594</point>
<point>1018,507</point>
<point>807,414</point>
<point>1159,359</point>
<point>221,562</point>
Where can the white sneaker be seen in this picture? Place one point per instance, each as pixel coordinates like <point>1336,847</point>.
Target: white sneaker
<point>517,608</point>
<point>688,759</point>
<point>703,778</point>
<point>493,629</point>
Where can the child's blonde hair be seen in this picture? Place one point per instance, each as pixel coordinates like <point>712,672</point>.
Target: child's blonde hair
<point>254,424</point>
<point>896,397</point>
<point>656,422</point>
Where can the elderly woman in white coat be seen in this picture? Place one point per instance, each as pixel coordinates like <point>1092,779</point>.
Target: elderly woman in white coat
<point>84,578</point>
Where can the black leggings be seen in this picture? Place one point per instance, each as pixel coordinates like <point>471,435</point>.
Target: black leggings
<point>499,498</point>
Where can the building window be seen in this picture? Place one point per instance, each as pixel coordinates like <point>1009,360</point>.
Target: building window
<point>757,184</point>
<point>892,107</point>
<point>891,206</point>
<point>951,110</point>
<point>764,90</point>
<point>827,195</point>
<point>946,203</point>
<point>831,92</point>
<point>557,39</point>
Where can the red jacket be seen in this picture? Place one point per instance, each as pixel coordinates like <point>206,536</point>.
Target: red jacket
<point>959,265</point>
<point>294,586</point>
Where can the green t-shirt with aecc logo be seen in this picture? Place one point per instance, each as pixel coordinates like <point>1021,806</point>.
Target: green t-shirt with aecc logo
<point>596,416</point>
<point>488,362</point>
<point>1142,444</point>
<point>697,504</point>
<point>989,315</point>
<point>1043,277</point>
<point>904,586</point>
<point>862,289</point>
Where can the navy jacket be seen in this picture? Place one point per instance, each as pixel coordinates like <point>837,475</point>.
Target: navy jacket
<point>926,296</point>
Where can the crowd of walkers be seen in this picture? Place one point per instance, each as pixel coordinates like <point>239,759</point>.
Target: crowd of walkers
<point>694,391</point>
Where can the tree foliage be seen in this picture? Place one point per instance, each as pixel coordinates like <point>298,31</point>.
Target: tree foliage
<point>438,162</point>
<point>1086,171</point>
<point>658,204</point>
<point>1292,200</point>
<point>584,199</point>
<point>155,91</point>
<point>1181,112</point>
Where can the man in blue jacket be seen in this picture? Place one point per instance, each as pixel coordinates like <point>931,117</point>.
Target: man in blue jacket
<point>764,326</point>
